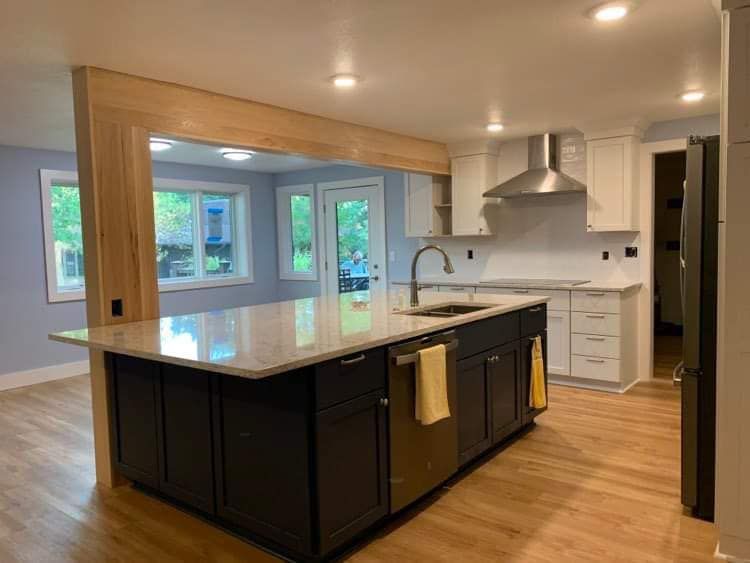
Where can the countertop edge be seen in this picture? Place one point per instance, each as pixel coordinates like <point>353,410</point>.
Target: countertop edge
<point>619,287</point>
<point>308,361</point>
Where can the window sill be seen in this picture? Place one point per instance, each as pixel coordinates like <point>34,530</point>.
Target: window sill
<point>164,287</point>
<point>298,277</point>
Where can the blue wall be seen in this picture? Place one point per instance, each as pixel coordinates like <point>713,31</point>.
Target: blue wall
<point>394,219</point>
<point>25,316</point>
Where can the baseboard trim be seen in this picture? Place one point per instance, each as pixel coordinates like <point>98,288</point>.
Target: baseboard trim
<point>18,379</point>
<point>607,387</point>
<point>733,549</point>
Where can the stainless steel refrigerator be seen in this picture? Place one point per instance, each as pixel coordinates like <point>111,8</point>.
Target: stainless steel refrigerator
<point>699,285</point>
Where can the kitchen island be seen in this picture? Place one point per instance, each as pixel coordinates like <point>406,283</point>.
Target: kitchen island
<point>292,423</point>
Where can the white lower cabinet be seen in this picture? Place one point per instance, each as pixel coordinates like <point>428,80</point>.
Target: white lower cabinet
<point>558,342</point>
<point>597,369</point>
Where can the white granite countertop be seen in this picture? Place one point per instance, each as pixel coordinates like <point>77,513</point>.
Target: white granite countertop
<point>263,340</point>
<point>451,280</point>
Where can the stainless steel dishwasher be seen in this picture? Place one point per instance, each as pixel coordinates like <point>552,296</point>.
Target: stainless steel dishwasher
<point>421,457</point>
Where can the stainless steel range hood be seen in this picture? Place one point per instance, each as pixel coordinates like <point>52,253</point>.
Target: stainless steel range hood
<point>542,177</point>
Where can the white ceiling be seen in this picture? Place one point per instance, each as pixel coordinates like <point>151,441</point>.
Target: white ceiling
<point>207,155</point>
<point>438,69</point>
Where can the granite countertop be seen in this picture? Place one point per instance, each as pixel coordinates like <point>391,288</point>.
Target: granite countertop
<point>263,340</point>
<point>450,280</point>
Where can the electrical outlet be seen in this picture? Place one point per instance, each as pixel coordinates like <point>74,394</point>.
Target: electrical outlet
<point>631,252</point>
<point>470,254</point>
<point>391,255</point>
<point>605,255</point>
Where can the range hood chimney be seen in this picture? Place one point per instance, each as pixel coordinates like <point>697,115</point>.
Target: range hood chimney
<point>542,177</point>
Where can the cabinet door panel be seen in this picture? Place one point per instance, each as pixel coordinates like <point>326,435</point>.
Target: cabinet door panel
<point>472,176</point>
<point>133,397</point>
<point>505,385</point>
<point>558,342</point>
<point>474,425</point>
<point>736,90</point>
<point>612,191</point>
<point>262,452</point>
<point>419,205</point>
<point>186,467</point>
<point>351,468</point>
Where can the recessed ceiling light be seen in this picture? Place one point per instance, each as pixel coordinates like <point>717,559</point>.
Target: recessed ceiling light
<point>236,154</point>
<point>611,12</point>
<point>693,96</point>
<point>494,127</point>
<point>344,80</point>
<point>158,145</point>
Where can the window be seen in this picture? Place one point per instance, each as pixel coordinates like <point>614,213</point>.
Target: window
<point>296,225</point>
<point>202,234</point>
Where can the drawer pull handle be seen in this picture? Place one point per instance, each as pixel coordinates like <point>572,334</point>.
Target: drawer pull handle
<point>596,294</point>
<point>535,310</point>
<point>595,339</point>
<point>458,289</point>
<point>533,338</point>
<point>352,361</point>
<point>594,361</point>
<point>520,291</point>
<point>595,316</point>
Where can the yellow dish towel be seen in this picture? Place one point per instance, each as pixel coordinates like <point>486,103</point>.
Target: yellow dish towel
<point>431,386</point>
<point>537,391</point>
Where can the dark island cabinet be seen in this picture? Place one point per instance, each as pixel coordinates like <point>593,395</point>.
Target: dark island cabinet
<point>133,389</point>
<point>186,466</point>
<point>352,468</point>
<point>505,391</point>
<point>262,457</point>
<point>474,418</point>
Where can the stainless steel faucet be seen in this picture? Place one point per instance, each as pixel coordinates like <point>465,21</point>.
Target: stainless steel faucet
<point>447,268</point>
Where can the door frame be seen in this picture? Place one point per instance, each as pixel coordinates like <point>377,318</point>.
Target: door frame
<point>378,182</point>
<point>647,221</point>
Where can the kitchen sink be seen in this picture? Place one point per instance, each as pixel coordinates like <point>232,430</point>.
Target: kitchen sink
<point>449,310</point>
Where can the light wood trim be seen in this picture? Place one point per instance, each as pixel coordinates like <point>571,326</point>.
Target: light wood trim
<point>190,113</point>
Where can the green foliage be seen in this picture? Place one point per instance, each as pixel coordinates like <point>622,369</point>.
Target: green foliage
<point>300,212</point>
<point>173,215</point>
<point>66,217</point>
<point>212,264</point>
<point>353,228</point>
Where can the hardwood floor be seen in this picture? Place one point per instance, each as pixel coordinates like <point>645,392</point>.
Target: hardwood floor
<point>597,480</point>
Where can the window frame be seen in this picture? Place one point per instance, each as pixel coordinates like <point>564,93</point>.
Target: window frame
<point>242,234</point>
<point>284,231</point>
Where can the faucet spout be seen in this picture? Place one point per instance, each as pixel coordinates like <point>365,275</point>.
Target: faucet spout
<point>414,285</point>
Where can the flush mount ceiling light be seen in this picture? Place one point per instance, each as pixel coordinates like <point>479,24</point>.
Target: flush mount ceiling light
<point>692,96</point>
<point>236,154</point>
<point>495,127</point>
<point>344,80</point>
<point>611,11</point>
<point>158,145</point>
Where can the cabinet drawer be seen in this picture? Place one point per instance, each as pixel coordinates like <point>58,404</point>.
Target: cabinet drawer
<point>596,323</point>
<point>596,301</point>
<point>602,369</point>
<point>456,289</point>
<point>599,346</point>
<point>345,378</point>
<point>534,320</point>
<point>559,298</point>
<point>483,335</point>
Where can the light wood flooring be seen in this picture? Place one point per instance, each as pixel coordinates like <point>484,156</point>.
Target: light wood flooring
<point>596,480</point>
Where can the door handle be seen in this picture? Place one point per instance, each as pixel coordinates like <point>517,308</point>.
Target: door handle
<point>353,361</point>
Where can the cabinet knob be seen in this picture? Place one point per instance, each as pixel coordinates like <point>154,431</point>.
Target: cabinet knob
<point>384,402</point>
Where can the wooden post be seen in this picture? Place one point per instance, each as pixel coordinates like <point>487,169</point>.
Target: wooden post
<point>117,216</point>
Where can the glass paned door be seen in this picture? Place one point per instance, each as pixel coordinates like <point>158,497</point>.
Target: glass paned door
<point>355,249</point>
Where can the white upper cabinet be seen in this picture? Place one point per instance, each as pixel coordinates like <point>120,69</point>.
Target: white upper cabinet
<point>427,206</point>
<point>736,75</point>
<point>471,177</point>
<point>612,183</point>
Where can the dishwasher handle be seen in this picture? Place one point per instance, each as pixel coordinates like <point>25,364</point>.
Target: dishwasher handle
<point>406,359</point>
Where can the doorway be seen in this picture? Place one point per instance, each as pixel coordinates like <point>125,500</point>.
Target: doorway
<point>352,229</point>
<point>669,178</point>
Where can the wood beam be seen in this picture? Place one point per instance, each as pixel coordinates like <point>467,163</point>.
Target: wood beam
<point>212,118</point>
